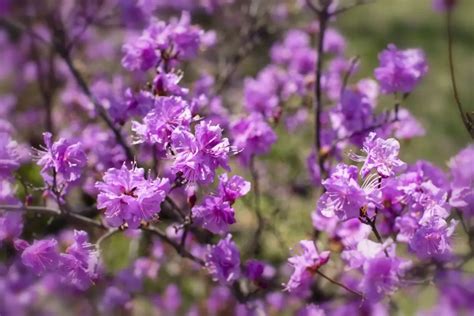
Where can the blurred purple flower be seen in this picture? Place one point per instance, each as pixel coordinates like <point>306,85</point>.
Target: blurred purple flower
<point>42,256</point>
<point>11,225</point>
<point>61,162</point>
<point>400,70</point>
<point>232,189</point>
<point>431,240</point>
<point>305,264</point>
<point>252,136</point>
<point>223,261</point>
<point>8,155</point>
<point>214,214</point>
<point>79,265</point>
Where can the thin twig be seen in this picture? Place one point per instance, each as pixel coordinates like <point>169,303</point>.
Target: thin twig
<point>66,56</point>
<point>347,75</point>
<point>91,222</point>
<point>106,236</point>
<point>260,220</point>
<point>340,284</point>
<point>370,128</point>
<point>54,212</point>
<point>469,233</point>
<point>465,118</point>
<point>248,41</point>
<point>323,16</point>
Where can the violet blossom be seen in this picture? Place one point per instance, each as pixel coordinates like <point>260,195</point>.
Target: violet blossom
<point>129,198</point>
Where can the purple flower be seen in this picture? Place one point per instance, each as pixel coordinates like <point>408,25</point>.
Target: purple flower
<point>167,84</point>
<point>61,160</point>
<point>223,261</point>
<point>305,264</point>
<point>382,155</point>
<point>381,272</point>
<point>168,114</point>
<point>343,197</point>
<point>8,155</point>
<point>42,256</point>
<point>311,310</point>
<point>115,299</point>
<point>406,225</point>
<point>313,168</point>
<point>294,40</point>
<point>400,70</point>
<point>366,249</point>
<point>121,102</point>
<point>443,5</point>
<point>165,43</point>
<point>79,265</point>
<point>128,197</point>
<point>11,225</point>
<point>407,126</point>
<point>254,269</point>
<point>198,156</point>
<point>352,231</point>
<point>431,240</point>
<point>334,42</point>
<point>353,114</point>
<point>101,148</point>
<point>214,214</point>
<point>260,94</point>
<point>381,277</point>
<point>252,136</point>
<point>140,54</point>
<point>170,301</point>
<point>462,194</point>
<point>218,300</point>
<point>232,189</point>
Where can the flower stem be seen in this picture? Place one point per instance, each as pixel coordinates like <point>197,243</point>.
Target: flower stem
<point>340,284</point>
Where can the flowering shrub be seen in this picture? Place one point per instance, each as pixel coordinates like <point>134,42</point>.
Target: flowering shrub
<point>141,185</point>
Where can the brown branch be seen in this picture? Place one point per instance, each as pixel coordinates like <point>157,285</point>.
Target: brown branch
<point>66,56</point>
<point>347,75</point>
<point>250,37</point>
<point>97,224</point>
<point>256,242</point>
<point>340,284</point>
<point>323,16</point>
<point>466,119</point>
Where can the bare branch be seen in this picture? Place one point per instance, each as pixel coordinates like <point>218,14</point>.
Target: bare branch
<point>345,287</point>
<point>466,119</point>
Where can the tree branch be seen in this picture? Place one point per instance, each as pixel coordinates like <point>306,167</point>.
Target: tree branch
<point>468,123</point>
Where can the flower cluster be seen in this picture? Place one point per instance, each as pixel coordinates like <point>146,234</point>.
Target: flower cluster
<point>162,44</point>
<point>305,265</point>
<point>400,70</point>
<point>215,213</point>
<point>77,266</point>
<point>223,261</point>
<point>61,162</point>
<point>129,198</point>
<point>151,162</point>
